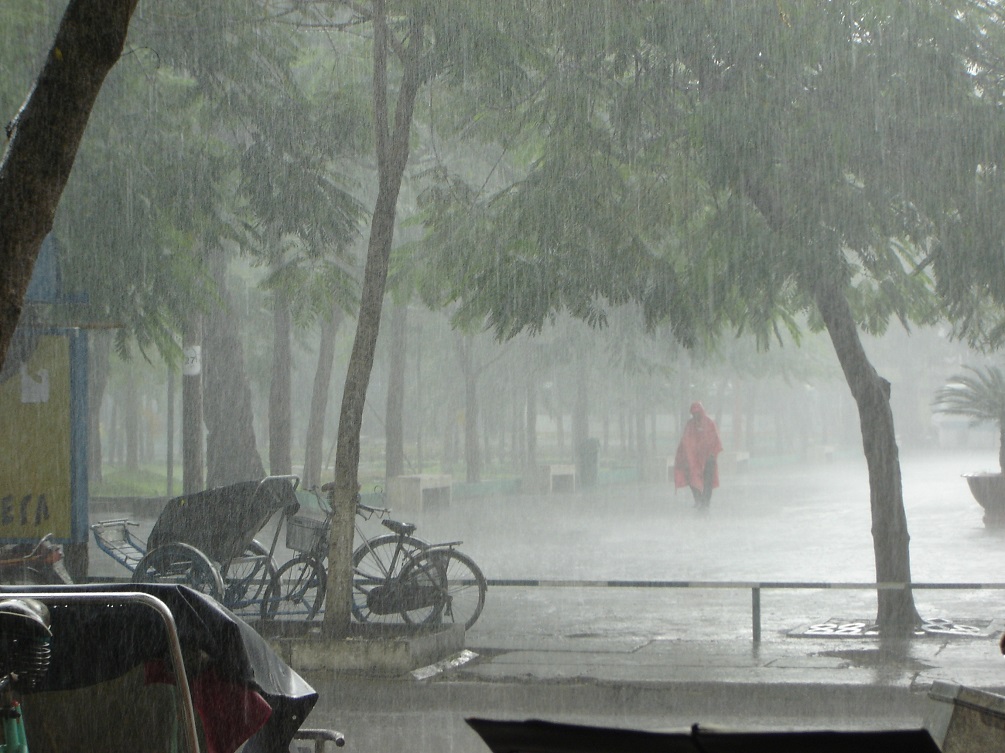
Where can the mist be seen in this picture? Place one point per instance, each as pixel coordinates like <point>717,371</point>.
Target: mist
<point>475,263</point>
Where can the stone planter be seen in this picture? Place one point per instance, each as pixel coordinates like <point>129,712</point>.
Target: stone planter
<point>989,490</point>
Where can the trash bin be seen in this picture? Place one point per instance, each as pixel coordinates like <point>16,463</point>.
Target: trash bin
<point>588,461</point>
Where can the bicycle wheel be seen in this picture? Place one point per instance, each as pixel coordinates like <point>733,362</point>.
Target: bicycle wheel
<point>296,590</point>
<point>371,567</point>
<point>182,564</point>
<point>245,578</point>
<point>459,582</point>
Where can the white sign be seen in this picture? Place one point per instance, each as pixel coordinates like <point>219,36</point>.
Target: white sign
<point>192,366</point>
<point>34,388</point>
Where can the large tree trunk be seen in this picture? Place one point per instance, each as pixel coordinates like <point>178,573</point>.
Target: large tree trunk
<point>518,459</point>
<point>193,458</point>
<point>280,420</point>
<point>169,431</point>
<point>580,406</point>
<point>419,407</point>
<point>530,429</point>
<point>464,345</point>
<point>392,157</point>
<point>897,614</point>
<point>394,423</point>
<point>319,399</point>
<point>99,367</point>
<point>132,420</point>
<point>44,137</point>
<point>231,450</point>
<point>641,445</point>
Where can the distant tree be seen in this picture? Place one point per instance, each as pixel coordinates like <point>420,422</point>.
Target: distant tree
<point>314,441</point>
<point>394,462</point>
<point>302,214</point>
<point>231,446</point>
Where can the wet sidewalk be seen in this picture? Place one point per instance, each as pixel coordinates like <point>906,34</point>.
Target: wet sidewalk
<point>910,668</point>
<point>785,526</point>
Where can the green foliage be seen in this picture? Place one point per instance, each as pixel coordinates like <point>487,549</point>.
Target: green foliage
<point>219,126</point>
<point>713,165</point>
<point>977,394</point>
<point>136,205</point>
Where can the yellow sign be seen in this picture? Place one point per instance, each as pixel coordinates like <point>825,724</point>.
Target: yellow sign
<point>35,445</point>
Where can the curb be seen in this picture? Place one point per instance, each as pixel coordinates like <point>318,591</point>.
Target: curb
<point>385,655</point>
<point>697,700</point>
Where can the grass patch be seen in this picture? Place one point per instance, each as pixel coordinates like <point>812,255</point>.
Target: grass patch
<point>125,483</point>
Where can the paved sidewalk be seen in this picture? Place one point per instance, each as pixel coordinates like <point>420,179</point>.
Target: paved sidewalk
<point>850,684</point>
<point>805,524</point>
<point>974,662</point>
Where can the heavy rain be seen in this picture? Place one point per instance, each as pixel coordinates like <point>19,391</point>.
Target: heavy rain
<point>628,365</point>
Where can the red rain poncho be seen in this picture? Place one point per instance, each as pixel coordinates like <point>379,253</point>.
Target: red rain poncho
<point>699,443</point>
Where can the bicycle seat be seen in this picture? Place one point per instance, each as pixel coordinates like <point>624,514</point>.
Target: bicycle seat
<point>402,529</point>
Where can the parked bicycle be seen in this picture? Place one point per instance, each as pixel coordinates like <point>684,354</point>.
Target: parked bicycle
<point>397,577</point>
<point>34,564</point>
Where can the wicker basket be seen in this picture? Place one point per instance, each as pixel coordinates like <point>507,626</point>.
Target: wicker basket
<point>304,534</point>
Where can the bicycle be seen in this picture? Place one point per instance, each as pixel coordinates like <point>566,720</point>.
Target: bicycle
<point>37,564</point>
<point>301,583</point>
<point>397,577</point>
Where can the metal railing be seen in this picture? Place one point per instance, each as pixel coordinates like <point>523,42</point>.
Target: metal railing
<point>755,588</point>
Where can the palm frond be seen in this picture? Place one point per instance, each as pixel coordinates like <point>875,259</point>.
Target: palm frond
<point>978,394</point>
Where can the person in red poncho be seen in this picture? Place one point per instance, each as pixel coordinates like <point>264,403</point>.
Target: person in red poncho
<point>695,463</point>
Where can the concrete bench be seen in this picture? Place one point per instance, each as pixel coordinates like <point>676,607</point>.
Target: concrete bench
<point>558,478</point>
<point>820,452</point>
<point>737,460</point>
<point>419,492</point>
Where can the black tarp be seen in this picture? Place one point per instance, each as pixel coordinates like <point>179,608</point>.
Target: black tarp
<point>222,522</point>
<point>94,643</point>
<point>534,736</point>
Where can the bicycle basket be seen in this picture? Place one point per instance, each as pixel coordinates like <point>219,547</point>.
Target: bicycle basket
<point>304,534</point>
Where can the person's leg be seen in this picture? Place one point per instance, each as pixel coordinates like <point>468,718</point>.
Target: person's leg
<point>698,496</point>
<point>708,478</point>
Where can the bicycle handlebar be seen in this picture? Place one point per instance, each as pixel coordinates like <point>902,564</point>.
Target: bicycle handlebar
<point>366,511</point>
<point>362,510</point>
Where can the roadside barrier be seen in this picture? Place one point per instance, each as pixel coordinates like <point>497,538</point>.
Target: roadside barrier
<point>755,588</point>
